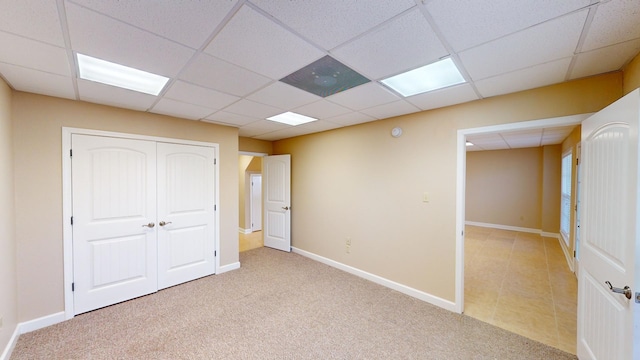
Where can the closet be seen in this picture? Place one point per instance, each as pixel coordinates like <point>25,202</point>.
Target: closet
<point>143,217</point>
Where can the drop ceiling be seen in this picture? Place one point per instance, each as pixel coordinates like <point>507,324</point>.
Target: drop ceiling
<point>225,58</point>
<point>519,138</point>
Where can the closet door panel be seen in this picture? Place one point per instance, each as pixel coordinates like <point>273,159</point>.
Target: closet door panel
<point>186,233</point>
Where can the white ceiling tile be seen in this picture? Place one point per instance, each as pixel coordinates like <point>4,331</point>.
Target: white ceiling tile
<point>529,78</point>
<point>321,110</point>
<point>363,96</point>
<point>34,54</point>
<point>536,45</point>
<point>38,82</point>
<point>187,22</point>
<point>351,119</point>
<point>605,59</point>
<point>114,96</point>
<point>263,42</point>
<point>283,96</point>
<point>469,23</point>
<point>615,22</point>
<point>220,75</point>
<point>198,95</point>
<point>181,110</point>
<point>329,23</point>
<point>227,118</point>
<point>445,97</point>
<point>403,44</point>
<point>319,125</point>
<point>283,134</point>
<point>390,110</point>
<point>108,39</point>
<point>35,19</point>
<point>253,109</point>
<point>262,127</point>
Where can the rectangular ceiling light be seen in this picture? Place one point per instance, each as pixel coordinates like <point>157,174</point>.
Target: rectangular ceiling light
<point>113,74</point>
<point>430,77</point>
<point>291,118</point>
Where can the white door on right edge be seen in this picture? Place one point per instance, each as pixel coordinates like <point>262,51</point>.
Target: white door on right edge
<point>608,319</point>
<point>276,181</point>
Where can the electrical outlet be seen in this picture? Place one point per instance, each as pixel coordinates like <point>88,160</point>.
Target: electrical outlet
<point>425,197</point>
<point>348,249</point>
<point>348,241</point>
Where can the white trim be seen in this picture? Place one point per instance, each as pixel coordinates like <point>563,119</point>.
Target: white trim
<point>244,231</point>
<point>249,153</point>
<point>228,267</point>
<point>567,252</point>
<point>460,182</point>
<point>434,300</point>
<point>29,326</point>
<point>503,227</point>
<point>42,322</point>
<point>551,235</point>
<point>67,211</point>
<point>6,354</point>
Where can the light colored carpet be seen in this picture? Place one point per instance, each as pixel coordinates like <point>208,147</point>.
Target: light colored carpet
<point>277,306</point>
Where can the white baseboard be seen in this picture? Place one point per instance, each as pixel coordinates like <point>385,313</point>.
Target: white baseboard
<point>6,354</point>
<point>245,231</point>
<point>39,323</point>
<point>503,227</point>
<point>434,300</point>
<point>567,253</point>
<point>29,326</point>
<point>228,267</point>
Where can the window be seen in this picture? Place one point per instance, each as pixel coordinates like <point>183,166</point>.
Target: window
<point>565,189</point>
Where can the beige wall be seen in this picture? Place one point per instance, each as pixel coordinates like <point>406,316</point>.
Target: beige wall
<point>37,122</point>
<point>631,71</point>
<point>504,187</point>
<point>551,188</point>
<point>255,145</point>
<point>359,182</point>
<point>8,276</point>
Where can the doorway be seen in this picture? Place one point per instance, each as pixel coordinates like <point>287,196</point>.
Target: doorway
<point>250,201</point>
<point>513,239</point>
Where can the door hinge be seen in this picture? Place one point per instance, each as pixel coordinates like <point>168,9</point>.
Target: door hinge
<point>215,207</point>
<point>73,286</point>
<point>215,161</point>
<point>71,152</point>
<point>215,253</point>
<point>72,220</point>
<point>574,253</point>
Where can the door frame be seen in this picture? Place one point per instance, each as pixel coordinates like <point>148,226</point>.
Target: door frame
<point>461,169</point>
<point>252,207</point>
<point>67,230</point>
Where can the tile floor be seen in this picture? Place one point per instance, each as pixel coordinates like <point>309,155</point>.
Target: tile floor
<point>521,282</point>
<point>250,241</point>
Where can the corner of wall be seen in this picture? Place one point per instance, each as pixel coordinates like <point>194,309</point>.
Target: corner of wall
<point>631,75</point>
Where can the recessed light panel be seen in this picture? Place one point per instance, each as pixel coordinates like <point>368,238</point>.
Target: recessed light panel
<point>430,77</point>
<point>118,75</point>
<point>324,77</point>
<point>291,118</point>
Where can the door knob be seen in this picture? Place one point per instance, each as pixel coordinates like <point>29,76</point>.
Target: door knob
<point>286,207</point>
<point>626,291</point>
<point>149,225</point>
<point>162,223</point>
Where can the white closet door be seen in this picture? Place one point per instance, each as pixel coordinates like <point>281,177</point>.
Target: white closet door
<point>186,231</point>
<point>114,211</point>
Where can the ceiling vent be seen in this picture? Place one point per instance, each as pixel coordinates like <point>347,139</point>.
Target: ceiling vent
<point>325,77</point>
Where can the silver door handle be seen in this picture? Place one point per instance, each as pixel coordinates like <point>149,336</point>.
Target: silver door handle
<point>625,290</point>
<point>149,225</point>
<point>162,223</point>
<point>286,208</point>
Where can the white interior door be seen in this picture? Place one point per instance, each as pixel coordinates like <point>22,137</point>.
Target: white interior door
<point>186,226</point>
<point>608,250</point>
<point>114,211</point>
<point>276,171</point>
<point>256,202</point>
